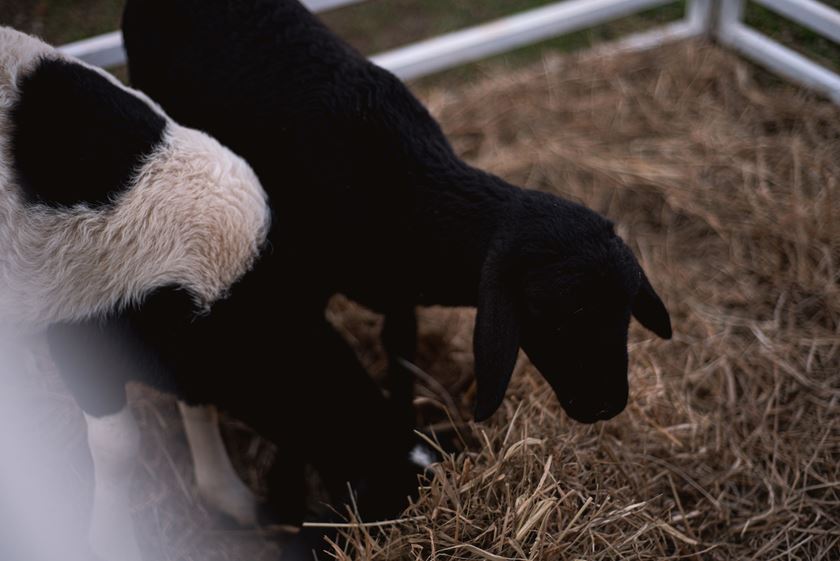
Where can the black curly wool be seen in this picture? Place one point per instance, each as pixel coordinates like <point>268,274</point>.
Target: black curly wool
<point>371,201</point>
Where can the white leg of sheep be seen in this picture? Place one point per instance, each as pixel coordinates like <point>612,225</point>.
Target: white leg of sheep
<point>217,481</point>
<point>114,444</point>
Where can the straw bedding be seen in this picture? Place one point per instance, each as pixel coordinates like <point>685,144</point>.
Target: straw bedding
<point>725,183</point>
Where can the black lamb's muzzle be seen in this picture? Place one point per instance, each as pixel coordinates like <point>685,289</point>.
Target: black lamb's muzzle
<point>591,384</point>
<point>592,407</point>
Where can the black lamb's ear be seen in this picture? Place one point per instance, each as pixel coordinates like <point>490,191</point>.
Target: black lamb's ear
<point>649,309</point>
<point>495,340</point>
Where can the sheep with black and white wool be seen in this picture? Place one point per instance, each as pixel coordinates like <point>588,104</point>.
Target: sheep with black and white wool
<point>104,202</point>
<point>105,199</point>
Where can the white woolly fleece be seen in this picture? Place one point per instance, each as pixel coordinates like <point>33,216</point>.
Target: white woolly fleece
<point>195,216</point>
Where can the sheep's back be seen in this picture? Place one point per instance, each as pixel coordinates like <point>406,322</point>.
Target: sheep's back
<point>103,198</point>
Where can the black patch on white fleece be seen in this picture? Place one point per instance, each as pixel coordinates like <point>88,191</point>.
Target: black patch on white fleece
<point>76,137</point>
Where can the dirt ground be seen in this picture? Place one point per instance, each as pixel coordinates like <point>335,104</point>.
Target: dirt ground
<point>725,183</point>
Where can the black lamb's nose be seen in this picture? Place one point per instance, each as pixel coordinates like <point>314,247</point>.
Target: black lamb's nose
<point>593,409</point>
<point>609,410</point>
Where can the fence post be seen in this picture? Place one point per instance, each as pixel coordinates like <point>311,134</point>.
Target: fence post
<point>729,14</point>
<point>700,15</point>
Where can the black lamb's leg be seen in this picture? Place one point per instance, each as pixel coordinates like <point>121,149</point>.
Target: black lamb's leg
<point>350,433</point>
<point>399,337</point>
<point>361,439</point>
<point>286,485</point>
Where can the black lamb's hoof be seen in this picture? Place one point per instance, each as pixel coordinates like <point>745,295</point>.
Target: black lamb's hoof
<point>310,544</point>
<point>276,515</point>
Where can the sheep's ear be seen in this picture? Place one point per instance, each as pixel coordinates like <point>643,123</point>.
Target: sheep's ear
<point>649,309</point>
<point>496,338</point>
<point>77,137</point>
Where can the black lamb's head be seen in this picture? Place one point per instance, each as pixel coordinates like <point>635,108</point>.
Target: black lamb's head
<point>561,284</point>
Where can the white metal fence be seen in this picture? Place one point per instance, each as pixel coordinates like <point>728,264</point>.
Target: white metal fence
<point>720,19</point>
<point>816,16</point>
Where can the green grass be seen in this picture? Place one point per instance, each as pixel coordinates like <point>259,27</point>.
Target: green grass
<point>70,21</point>
<point>62,21</point>
<point>379,25</point>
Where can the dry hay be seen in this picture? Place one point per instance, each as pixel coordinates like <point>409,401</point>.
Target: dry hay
<point>727,189</point>
<point>726,185</point>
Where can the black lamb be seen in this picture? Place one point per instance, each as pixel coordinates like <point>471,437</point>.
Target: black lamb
<point>371,201</point>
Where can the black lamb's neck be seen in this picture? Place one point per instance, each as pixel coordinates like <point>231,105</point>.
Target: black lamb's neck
<point>459,211</point>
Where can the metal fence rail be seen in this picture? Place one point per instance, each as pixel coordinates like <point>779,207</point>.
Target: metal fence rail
<point>103,50</point>
<point>722,19</point>
<point>508,33</point>
<point>816,16</point>
<point>476,42</point>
